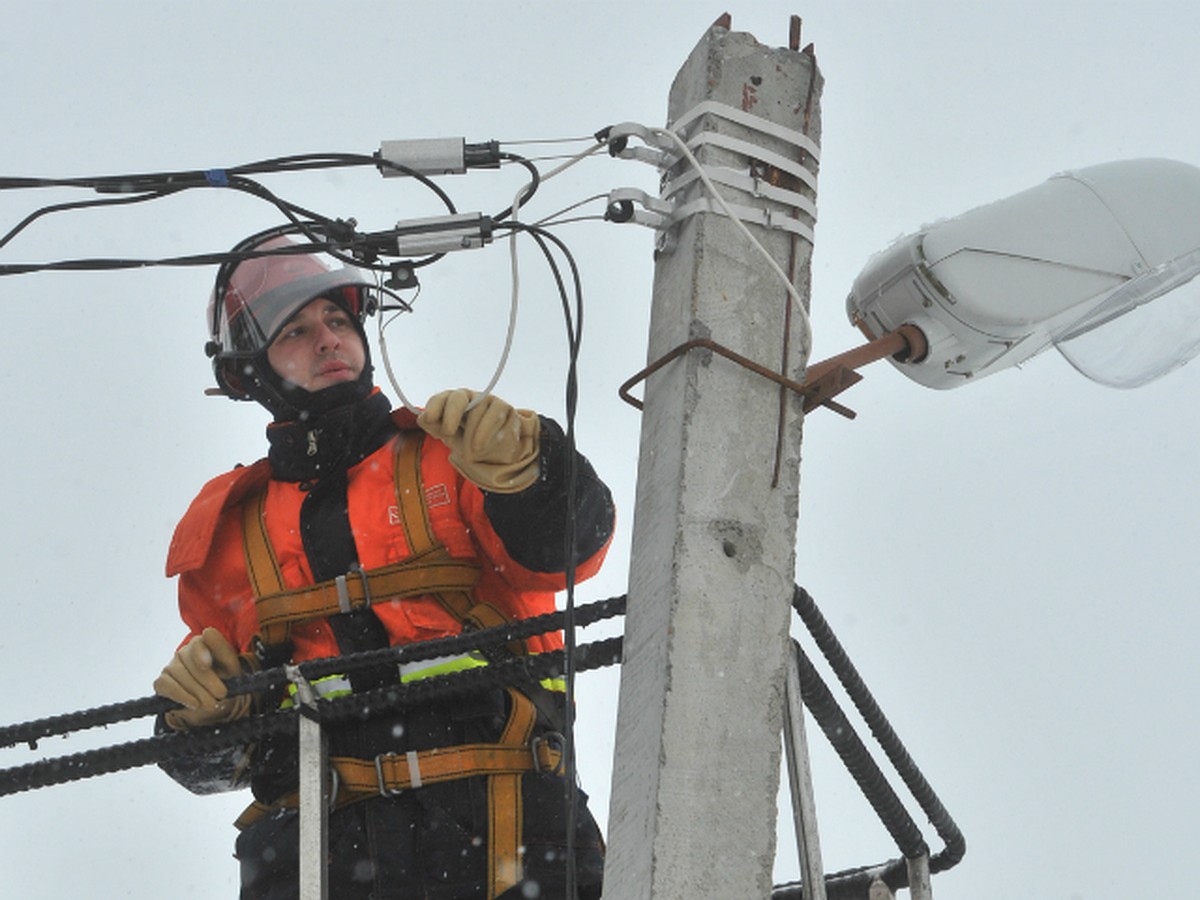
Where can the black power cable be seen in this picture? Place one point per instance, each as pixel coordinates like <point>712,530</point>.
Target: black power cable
<point>574,326</point>
<point>82,204</point>
<point>143,187</point>
<point>535,180</point>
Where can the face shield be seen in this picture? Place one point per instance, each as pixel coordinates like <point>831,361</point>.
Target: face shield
<point>256,297</point>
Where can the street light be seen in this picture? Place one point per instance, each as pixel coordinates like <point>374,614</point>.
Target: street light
<point>1097,262</point>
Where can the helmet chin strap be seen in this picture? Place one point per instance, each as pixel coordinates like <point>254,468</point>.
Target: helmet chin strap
<point>289,403</point>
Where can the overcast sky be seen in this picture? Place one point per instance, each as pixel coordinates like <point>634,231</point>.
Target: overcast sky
<point>1011,565</point>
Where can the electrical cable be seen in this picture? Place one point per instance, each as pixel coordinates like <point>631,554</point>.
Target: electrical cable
<point>526,193</point>
<point>137,188</point>
<point>553,218</point>
<point>126,183</point>
<point>574,324</point>
<point>505,217</point>
<point>514,299</point>
<point>596,148</point>
<point>558,170</point>
<point>564,140</point>
<point>387,363</point>
<point>80,204</point>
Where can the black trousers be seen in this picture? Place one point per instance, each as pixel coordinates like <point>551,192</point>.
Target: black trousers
<point>427,844</point>
<point>430,843</point>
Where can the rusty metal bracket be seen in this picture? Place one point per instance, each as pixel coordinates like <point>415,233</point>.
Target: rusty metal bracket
<point>825,379</point>
<point>816,393</point>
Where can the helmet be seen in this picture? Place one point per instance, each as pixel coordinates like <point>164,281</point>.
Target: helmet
<point>254,298</point>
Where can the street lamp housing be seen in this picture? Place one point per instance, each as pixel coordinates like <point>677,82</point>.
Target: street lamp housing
<point>1098,262</point>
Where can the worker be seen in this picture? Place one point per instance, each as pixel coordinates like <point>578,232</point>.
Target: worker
<point>404,528</point>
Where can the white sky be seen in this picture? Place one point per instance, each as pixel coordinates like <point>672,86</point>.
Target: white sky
<point>1010,565</point>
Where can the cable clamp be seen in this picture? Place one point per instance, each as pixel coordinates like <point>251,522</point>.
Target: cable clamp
<point>768,175</point>
<point>441,234</point>
<point>636,206</point>
<point>657,149</point>
<point>654,212</point>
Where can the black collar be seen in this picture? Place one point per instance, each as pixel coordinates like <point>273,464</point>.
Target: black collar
<point>330,443</point>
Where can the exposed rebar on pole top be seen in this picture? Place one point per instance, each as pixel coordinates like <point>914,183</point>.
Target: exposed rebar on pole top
<point>698,752</point>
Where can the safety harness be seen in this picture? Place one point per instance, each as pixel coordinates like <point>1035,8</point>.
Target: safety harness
<point>429,571</point>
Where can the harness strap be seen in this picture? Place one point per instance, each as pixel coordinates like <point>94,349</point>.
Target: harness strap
<point>506,812</point>
<point>414,518</point>
<point>262,566</point>
<point>432,572</point>
<point>393,773</point>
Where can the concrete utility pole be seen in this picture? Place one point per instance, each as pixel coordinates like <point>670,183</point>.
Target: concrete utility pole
<point>697,760</point>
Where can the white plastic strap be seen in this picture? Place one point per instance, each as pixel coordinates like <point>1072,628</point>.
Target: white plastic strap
<point>747,120</point>
<point>754,186</point>
<point>752,214</point>
<point>753,151</point>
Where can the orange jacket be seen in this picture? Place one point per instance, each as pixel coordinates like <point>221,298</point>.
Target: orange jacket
<point>207,552</point>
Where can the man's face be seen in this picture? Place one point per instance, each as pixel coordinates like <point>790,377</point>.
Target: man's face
<point>318,347</point>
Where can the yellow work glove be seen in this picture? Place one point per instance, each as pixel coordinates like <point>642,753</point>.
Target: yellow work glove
<point>194,679</point>
<point>491,444</point>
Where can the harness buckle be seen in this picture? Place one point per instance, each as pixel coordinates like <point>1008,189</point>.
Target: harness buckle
<point>368,600</point>
<point>381,781</point>
<point>335,785</point>
<point>414,773</point>
<point>552,740</point>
